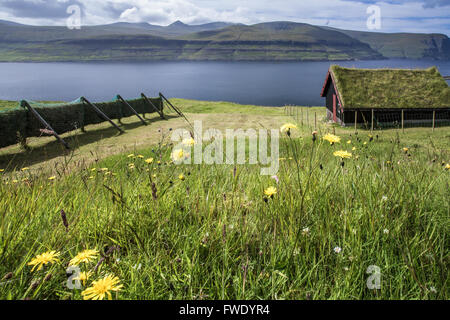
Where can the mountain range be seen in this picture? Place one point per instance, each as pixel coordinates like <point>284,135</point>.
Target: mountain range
<point>218,41</point>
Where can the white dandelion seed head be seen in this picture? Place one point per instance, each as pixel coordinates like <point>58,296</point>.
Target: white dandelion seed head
<point>338,250</point>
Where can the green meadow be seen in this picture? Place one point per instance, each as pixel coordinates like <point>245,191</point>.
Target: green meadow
<point>168,231</point>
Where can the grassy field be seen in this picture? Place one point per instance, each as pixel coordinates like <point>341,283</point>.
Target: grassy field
<point>209,231</point>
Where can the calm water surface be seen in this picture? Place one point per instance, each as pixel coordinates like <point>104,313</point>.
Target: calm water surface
<point>260,83</point>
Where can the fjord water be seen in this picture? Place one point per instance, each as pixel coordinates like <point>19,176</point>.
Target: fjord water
<point>259,83</point>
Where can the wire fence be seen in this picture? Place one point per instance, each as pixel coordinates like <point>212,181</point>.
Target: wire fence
<point>373,119</point>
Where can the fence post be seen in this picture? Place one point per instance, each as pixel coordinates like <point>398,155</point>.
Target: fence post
<point>160,112</point>
<point>434,119</point>
<point>307,117</point>
<point>101,114</point>
<point>403,121</point>
<point>356,121</point>
<point>26,105</point>
<point>373,119</point>
<point>315,120</point>
<point>126,104</point>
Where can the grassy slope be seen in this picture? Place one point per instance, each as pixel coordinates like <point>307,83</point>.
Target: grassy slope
<point>4,104</point>
<point>213,237</point>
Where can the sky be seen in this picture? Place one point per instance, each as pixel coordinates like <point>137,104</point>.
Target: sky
<point>432,16</point>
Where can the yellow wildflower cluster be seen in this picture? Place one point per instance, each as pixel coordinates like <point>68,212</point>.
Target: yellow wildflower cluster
<point>343,154</point>
<point>286,128</point>
<point>43,259</point>
<point>332,139</point>
<point>189,142</point>
<point>102,288</point>
<point>270,192</point>
<point>84,257</point>
<point>177,155</point>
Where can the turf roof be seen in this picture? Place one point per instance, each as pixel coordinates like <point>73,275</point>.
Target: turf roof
<point>391,88</point>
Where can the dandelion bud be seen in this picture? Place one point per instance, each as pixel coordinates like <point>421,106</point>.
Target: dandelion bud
<point>35,284</point>
<point>8,276</point>
<point>64,219</point>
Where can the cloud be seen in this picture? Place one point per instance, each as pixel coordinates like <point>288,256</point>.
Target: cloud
<point>40,9</point>
<point>397,15</point>
<point>425,3</point>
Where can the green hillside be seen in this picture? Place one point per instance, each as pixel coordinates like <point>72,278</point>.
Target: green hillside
<point>282,41</point>
<point>273,41</point>
<point>405,45</point>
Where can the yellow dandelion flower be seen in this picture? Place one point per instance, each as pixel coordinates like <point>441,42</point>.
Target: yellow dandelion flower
<point>189,142</point>
<point>288,127</point>
<point>349,142</point>
<point>52,178</point>
<point>140,156</point>
<point>2,170</point>
<point>343,154</point>
<point>270,192</point>
<point>332,139</point>
<point>85,256</point>
<point>154,176</point>
<point>149,160</point>
<point>131,155</point>
<point>447,167</point>
<point>102,288</point>
<point>83,277</point>
<point>104,169</point>
<point>43,259</point>
<point>177,155</point>
<point>25,169</point>
<point>15,181</point>
<point>365,143</point>
<point>405,150</point>
<point>354,149</point>
<point>182,177</point>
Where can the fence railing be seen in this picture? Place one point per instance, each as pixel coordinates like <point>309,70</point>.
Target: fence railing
<point>373,119</point>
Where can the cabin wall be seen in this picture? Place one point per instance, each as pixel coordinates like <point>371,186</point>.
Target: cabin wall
<point>329,104</point>
<point>393,117</point>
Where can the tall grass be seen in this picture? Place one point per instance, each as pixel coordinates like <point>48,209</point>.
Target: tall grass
<point>214,235</point>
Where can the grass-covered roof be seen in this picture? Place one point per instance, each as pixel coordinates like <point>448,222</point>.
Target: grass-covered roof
<point>391,88</point>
